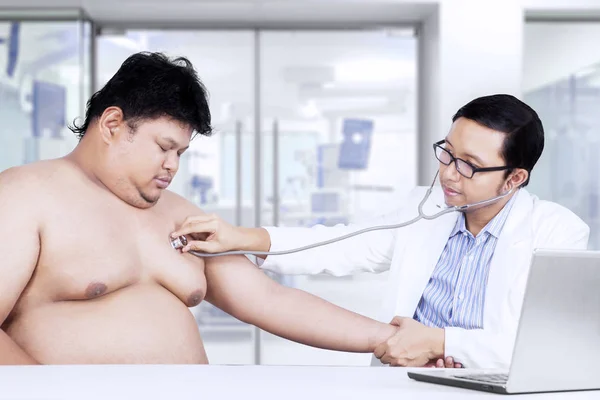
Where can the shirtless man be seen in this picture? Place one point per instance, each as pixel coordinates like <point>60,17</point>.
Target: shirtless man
<point>87,271</point>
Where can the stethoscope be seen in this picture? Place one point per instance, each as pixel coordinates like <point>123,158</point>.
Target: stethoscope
<point>181,241</point>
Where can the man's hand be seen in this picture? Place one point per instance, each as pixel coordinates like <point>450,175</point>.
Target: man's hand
<point>448,362</point>
<point>210,234</point>
<point>413,345</point>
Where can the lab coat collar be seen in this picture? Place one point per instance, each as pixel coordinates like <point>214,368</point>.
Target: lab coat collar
<point>513,247</point>
<point>431,236</point>
<point>493,227</point>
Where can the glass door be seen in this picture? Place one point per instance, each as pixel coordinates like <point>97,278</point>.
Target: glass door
<point>338,115</point>
<point>45,80</point>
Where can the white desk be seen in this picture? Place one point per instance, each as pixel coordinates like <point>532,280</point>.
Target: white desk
<point>229,382</point>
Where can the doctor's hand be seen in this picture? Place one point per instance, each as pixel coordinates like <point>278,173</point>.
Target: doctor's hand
<point>413,345</point>
<point>448,362</point>
<point>210,234</point>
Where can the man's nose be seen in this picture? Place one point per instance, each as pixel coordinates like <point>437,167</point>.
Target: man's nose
<point>171,162</point>
<point>449,172</point>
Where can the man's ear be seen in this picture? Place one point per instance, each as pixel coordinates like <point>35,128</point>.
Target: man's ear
<point>112,124</point>
<point>517,178</point>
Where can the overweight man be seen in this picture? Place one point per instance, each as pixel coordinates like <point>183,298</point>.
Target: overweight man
<point>88,274</point>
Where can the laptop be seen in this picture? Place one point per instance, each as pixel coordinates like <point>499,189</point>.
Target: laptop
<point>557,347</point>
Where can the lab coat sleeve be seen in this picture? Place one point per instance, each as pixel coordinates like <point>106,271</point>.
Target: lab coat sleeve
<point>368,252</point>
<point>481,348</point>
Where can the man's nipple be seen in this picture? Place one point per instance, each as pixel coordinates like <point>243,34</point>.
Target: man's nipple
<point>195,298</point>
<point>94,290</point>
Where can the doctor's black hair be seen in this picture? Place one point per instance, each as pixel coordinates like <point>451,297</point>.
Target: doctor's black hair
<point>149,86</point>
<point>524,140</point>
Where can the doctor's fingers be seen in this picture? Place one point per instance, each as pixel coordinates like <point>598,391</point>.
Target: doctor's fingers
<point>380,350</point>
<point>395,361</point>
<point>450,363</point>
<point>395,358</point>
<point>386,346</point>
<point>202,246</point>
<point>200,218</point>
<point>386,358</point>
<point>439,363</point>
<point>192,225</point>
<point>398,321</point>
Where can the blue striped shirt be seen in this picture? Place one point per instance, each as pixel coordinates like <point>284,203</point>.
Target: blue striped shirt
<point>455,294</point>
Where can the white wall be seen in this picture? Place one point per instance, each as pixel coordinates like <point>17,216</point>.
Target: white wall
<point>471,48</point>
<point>561,8</point>
<point>561,5</point>
<point>553,51</point>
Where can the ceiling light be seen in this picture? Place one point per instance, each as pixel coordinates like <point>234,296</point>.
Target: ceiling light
<point>373,71</point>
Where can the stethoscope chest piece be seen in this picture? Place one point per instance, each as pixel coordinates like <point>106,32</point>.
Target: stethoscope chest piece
<point>178,242</point>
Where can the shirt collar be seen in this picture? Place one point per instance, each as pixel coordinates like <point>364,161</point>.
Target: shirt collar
<point>494,227</point>
<point>460,226</point>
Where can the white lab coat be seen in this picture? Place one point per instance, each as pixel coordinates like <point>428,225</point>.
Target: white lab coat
<point>411,253</point>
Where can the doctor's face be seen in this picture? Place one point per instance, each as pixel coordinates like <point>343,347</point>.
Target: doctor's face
<point>479,147</point>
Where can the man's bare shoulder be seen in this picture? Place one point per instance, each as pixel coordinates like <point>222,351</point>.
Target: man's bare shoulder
<point>179,206</point>
<point>30,177</point>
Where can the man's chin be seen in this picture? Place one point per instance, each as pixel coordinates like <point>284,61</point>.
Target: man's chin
<point>150,199</point>
<point>453,201</point>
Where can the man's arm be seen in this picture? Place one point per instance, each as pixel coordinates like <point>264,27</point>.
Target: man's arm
<point>237,287</point>
<point>12,354</point>
<point>19,250</point>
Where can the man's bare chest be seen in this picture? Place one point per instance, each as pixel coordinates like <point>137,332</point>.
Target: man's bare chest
<point>92,249</point>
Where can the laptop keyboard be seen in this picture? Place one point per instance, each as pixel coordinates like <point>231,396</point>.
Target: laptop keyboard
<point>497,379</point>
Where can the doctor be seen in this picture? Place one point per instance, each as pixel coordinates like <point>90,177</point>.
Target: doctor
<point>458,280</point>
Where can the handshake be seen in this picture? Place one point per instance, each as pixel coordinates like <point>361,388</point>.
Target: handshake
<point>414,345</point>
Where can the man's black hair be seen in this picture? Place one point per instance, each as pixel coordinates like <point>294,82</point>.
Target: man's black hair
<point>149,86</point>
<point>524,141</point>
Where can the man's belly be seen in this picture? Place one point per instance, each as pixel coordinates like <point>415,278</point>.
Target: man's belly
<point>143,323</point>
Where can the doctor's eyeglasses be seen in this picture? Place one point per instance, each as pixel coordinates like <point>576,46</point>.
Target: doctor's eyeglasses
<point>463,167</point>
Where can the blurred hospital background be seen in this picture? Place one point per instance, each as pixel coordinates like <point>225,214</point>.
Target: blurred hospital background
<point>324,111</point>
